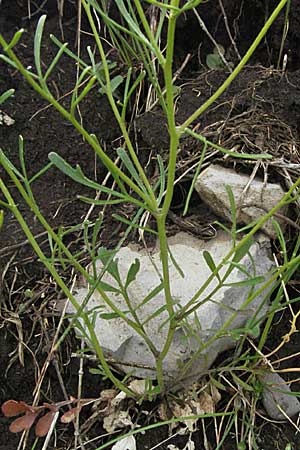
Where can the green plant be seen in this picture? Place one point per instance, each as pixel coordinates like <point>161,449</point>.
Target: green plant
<point>131,181</point>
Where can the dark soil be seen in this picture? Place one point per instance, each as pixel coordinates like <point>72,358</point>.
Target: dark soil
<point>27,294</point>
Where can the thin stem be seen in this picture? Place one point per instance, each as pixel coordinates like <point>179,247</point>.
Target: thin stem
<point>174,135</point>
<point>148,30</point>
<point>64,288</point>
<point>161,218</point>
<point>88,138</point>
<point>226,325</point>
<point>236,71</point>
<point>162,236</point>
<point>189,308</point>
<point>122,125</point>
<point>94,285</point>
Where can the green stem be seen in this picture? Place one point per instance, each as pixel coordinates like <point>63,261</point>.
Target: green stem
<point>122,125</point>
<point>162,236</point>
<point>190,307</point>
<point>161,217</point>
<point>143,333</point>
<point>236,71</point>
<point>225,326</point>
<point>88,138</point>
<point>149,33</point>
<point>94,285</point>
<point>173,133</point>
<point>64,288</point>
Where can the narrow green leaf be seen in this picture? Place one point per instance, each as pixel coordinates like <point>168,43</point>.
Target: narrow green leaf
<point>109,316</point>
<point>96,230</point>
<point>222,226</point>
<point>6,95</point>
<point>176,265</point>
<point>37,44</point>
<point>113,85</point>
<point>240,267</point>
<point>253,329</point>
<point>110,265</point>
<point>14,65</point>
<point>163,5</point>
<point>132,25</point>
<point>95,371</point>
<point>55,61</point>
<point>6,162</point>
<point>85,72</point>
<point>40,172</point>
<point>14,40</point>
<point>92,201</point>
<point>21,157</point>
<point>127,84</point>
<point>280,237</point>
<point>91,55</point>
<point>247,227</point>
<point>105,254</point>
<point>248,282</point>
<point>241,383</point>
<point>195,177</point>
<point>132,272</point>
<point>210,262</point>
<point>133,225</point>
<point>155,314</point>
<point>218,384</point>
<point>151,295</point>
<point>242,250</point>
<point>121,152</point>
<point>8,61</point>
<point>107,287</point>
<point>162,178</point>
<point>67,51</point>
<point>78,175</point>
<point>83,94</point>
<point>224,150</point>
<point>1,218</point>
<point>232,209</point>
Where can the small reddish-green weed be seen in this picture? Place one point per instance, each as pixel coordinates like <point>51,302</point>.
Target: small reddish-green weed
<point>47,413</point>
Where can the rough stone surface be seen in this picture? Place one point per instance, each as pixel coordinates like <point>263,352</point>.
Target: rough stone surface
<point>275,393</point>
<point>253,199</point>
<point>123,344</point>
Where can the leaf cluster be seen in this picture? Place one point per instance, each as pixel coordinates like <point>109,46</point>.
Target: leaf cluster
<point>44,414</point>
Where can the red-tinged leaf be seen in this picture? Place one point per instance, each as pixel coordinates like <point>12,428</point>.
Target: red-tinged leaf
<point>23,423</point>
<point>12,408</point>
<point>52,406</point>
<point>44,423</point>
<point>70,415</point>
